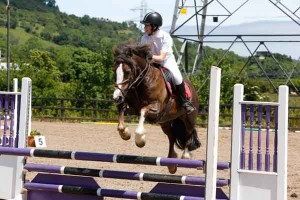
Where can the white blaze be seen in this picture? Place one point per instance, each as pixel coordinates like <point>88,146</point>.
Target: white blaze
<point>120,77</point>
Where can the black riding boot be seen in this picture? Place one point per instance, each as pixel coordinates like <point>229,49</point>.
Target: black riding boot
<point>185,103</point>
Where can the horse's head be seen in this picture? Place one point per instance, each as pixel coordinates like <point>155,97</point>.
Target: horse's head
<point>123,79</point>
<point>129,65</point>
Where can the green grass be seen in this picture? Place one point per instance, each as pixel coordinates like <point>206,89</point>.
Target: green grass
<point>21,36</point>
<point>293,100</point>
<point>17,33</point>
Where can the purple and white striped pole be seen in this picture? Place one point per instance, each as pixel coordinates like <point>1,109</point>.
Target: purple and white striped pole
<point>105,192</point>
<point>191,180</point>
<point>117,158</point>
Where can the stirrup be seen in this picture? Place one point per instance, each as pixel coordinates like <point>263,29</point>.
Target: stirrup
<point>188,107</point>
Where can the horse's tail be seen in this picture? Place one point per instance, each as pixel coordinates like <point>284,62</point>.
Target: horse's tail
<point>179,132</point>
<point>194,142</point>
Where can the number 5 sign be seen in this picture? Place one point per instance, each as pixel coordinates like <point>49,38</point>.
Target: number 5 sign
<point>40,141</point>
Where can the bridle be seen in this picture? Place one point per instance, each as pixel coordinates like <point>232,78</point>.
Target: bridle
<point>134,84</point>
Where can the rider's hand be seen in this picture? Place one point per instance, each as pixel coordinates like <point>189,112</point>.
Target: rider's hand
<point>149,57</point>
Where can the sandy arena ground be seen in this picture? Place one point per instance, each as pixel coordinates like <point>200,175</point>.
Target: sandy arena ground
<point>105,139</point>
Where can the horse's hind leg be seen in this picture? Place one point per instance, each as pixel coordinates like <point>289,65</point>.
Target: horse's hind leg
<point>191,140</point>
<point>172,154</point>
<point>192,143</point>
<point>186,154</point>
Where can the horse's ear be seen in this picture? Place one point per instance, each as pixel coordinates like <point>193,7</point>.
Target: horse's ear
<point>129,51</point>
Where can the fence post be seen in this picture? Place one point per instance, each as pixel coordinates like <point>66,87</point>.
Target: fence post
<point>94,110</point>
<point>62,111</point>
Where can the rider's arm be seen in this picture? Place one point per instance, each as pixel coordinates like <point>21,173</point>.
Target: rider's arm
<point>159,58</point>
<point>165,49</point>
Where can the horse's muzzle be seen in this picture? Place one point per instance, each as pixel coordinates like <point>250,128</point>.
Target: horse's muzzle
<point>119,100</point>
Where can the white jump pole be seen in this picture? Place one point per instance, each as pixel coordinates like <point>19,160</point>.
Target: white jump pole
<point>11,167</point>
<point>16,104</point>
<point>212,134</point>
<point>283,100</point>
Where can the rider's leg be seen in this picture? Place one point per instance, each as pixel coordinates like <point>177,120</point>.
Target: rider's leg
<point>185,103</point>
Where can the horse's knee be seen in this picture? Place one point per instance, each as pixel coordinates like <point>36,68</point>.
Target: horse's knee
<point>124,133</point>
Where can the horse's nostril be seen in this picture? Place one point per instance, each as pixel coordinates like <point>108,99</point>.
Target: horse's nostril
<point>119,99</point>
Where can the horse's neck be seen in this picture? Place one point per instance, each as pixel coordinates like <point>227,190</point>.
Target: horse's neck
<point>151,76</point>
<point>147,80</point>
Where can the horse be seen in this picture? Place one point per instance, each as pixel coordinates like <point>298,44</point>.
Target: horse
<point>140,87</point>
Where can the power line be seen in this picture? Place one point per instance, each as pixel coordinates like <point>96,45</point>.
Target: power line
<point>143,9</point>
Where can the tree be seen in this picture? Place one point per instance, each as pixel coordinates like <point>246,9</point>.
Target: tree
<point>92,71</point>
<point>44,74</point>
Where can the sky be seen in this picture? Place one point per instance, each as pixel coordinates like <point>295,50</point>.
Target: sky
<point>116,10</point>
<point>121,10</point>
<point>251,11</point>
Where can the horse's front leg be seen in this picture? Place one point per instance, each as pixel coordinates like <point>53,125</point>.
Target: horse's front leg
<point>151,111</point>
<point>123,130</point>
<point>140,133</point>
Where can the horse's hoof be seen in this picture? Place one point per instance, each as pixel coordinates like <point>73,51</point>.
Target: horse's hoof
<point>125,135</point>
<point>140,140</point>
<point>172,169</point>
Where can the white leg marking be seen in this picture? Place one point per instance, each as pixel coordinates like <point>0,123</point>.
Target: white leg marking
<point>140,131</point>
<point>120,77</point>
<point>186,154</point>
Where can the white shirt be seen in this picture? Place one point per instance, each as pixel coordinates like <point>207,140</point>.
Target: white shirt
<point>160,41</point>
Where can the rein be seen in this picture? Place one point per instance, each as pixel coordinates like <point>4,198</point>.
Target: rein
<point>141,76</point>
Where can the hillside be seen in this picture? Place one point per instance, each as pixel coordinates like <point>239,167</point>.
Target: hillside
<point>37,19</point>
<point>64,55</point>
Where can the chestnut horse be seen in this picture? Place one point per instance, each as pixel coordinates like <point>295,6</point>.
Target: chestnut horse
<point>140,87</point>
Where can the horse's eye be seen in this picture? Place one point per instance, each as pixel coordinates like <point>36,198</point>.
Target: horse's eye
<point>126,69</point>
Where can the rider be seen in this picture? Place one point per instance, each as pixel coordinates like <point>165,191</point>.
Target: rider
<point>161,45</point>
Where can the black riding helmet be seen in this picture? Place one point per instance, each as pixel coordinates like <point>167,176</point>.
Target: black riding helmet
<point>154,19</point>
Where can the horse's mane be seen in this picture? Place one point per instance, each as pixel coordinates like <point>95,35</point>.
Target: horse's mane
<point>132,54</point>
<point>124,51</point>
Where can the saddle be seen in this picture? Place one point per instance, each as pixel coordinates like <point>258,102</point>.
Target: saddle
<point>170,83</point>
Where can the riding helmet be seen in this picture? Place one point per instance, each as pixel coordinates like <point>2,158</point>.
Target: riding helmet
<point>152,18</point>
